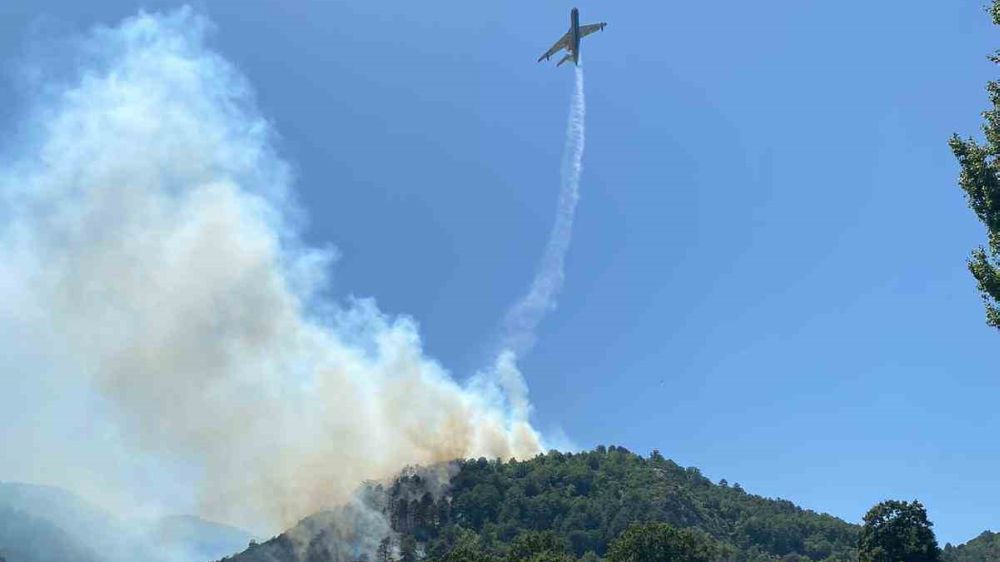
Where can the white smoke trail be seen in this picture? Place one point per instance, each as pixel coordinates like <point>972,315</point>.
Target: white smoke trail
<point>151,279</point>
<point>522,319</point>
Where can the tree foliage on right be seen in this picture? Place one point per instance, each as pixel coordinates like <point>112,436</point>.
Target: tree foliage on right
<point>896,531</point>
<point>980,179</point>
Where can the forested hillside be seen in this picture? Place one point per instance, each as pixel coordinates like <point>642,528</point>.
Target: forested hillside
<point>984,548</point>
<point>572,506</point>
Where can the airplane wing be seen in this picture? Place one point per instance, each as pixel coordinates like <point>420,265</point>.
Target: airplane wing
<point>561,44</point>
<point>586,30</point>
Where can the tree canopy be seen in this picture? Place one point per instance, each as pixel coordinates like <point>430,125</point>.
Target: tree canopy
<point>897,531</point>
<point>659,542</point>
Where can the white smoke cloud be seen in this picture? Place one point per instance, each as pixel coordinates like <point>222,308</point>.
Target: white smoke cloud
<point>153,283</point>
<point>521,322</point>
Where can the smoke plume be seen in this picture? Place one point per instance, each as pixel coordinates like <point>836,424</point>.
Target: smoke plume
<point>158,303</point>
<point>522,319</point>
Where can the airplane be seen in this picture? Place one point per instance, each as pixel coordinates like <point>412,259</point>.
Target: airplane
<point>571,41</point>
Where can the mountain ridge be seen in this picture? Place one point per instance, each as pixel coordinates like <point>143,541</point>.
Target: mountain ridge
<point>587,499</point>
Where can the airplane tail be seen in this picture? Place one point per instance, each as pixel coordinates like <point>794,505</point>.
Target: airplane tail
<point>564,59</point>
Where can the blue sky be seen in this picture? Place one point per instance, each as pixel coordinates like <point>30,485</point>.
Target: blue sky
<point>767,278</point>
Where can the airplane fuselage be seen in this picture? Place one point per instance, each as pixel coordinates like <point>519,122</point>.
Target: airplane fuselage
<point>570,41</point>
<point>574,31</point>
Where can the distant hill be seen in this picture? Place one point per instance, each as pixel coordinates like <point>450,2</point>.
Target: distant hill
<point>43,523</point>
<point>587,499</point>
<point>24,538</point>
<point>192,538</point>
<point>48,524</point>
<point>984,548</point>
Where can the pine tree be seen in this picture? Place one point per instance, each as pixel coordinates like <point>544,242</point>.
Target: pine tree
<point>384,552</point>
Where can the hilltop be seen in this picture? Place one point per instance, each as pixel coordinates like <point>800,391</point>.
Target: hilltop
<point>585,500</point>
<point>984,548</point>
